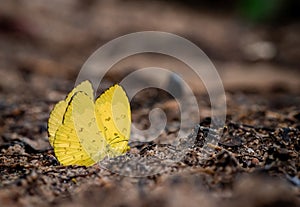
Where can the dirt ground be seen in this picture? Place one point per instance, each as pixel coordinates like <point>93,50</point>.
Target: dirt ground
<point>256,160</point>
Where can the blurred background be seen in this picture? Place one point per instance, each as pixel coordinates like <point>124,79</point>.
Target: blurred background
<point>255,47</point>
<point>254,44</point>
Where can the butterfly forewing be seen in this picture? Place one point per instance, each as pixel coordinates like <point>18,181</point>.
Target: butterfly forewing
<point>57,114</point>
<point>114,119</point>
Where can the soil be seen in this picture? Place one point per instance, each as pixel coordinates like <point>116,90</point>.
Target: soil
<point>255,161</point>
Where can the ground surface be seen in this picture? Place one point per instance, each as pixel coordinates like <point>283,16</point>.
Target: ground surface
<point>256,160</point>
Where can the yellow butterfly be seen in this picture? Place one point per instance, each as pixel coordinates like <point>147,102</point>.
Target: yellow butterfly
<point>83,131</point>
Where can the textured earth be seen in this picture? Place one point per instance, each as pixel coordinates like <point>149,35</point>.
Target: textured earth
<point>255,161</point>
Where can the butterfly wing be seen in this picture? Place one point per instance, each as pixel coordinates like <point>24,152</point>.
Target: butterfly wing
<point>55,119</point>
<point>78,140</point>
<point>56,115</point>
<point>114,118</point>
